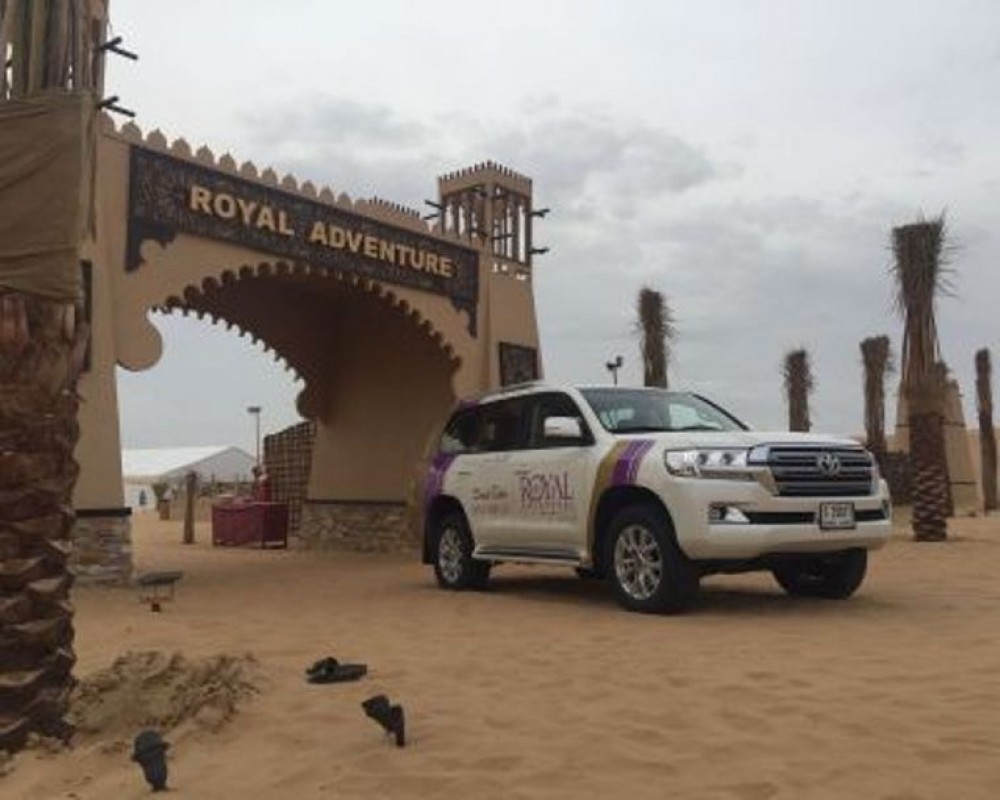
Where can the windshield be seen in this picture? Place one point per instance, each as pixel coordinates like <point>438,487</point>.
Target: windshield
<point>648,410</point>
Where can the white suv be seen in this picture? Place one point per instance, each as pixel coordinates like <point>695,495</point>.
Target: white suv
<point>652,489</point>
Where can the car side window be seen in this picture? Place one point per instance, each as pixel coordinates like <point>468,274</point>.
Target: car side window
<point>542,407</point>
<point>460,433</point>
<point>501,426</point>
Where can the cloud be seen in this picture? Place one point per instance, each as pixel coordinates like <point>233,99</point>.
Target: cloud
<point>585,160</point>
<point>750,274</point>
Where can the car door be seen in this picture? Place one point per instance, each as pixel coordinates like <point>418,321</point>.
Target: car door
<point>485,473</point>
<point>553,480</point>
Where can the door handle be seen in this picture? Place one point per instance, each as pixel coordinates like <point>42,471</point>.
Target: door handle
<point>464,473</point>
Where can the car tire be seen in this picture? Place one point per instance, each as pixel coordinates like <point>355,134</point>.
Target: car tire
<point>454,566</point>
<point>833,576</point>
<point>646,568</point>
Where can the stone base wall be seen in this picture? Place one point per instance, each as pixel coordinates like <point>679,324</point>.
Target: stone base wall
<point>102,550</point>
<point>364,527</point>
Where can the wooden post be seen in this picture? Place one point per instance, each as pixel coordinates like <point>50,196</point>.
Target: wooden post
<point>190,487</point>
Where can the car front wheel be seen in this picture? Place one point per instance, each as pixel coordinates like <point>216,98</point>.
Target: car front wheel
<point>454,566</point>
<point>835,575</point>
<point>647,569</point>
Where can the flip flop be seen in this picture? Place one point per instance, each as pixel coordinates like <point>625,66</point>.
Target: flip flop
<point>377,707</point>
<point>387,715</point>
<point>329,670</point>
<point>323,663</point>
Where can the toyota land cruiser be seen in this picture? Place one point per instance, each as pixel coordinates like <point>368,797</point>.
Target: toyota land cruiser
<point>649,488</point>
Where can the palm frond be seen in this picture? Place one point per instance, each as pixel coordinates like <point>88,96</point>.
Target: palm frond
<point>921,274</point>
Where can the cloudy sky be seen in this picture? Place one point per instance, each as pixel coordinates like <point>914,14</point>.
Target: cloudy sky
<point>746,157</point>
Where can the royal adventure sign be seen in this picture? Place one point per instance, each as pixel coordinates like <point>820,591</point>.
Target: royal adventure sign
<point>168,196</point>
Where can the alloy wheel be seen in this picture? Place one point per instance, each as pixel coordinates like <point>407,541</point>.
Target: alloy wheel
<point>638,562</point>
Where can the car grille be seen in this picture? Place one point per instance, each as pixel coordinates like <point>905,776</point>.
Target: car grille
<point>799,471</point>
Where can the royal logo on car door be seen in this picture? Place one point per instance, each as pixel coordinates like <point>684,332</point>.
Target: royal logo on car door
<point>552,475</point>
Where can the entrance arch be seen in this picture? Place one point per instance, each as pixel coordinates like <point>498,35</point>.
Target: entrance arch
<point>386,318</point>
<point>377,373</point>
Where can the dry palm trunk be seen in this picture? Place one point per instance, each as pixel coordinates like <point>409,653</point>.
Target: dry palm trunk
<point>53,74</point>
<point>656,330</point>
<point>41,349</point>
<point>987,435</point>
<point>876,355</point>
<point>932,503</point>
<point>798,386</point>
<point>919,274</point>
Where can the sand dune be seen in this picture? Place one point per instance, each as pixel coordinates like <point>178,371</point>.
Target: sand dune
<point>542,687</point>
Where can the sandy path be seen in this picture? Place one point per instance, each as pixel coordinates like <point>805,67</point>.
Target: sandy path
<point>542,687</point>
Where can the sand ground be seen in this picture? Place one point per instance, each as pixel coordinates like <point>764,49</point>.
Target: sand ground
<point>543,687</point>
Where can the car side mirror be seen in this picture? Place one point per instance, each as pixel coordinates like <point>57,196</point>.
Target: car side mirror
<point>563,428</point>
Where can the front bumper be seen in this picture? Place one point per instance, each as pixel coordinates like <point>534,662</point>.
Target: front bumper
<point>776,524</point>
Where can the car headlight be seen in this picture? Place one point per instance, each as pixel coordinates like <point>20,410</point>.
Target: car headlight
<point>708,463</point>
<point>876,473</point>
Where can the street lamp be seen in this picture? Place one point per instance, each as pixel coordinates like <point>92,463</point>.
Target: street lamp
<point>614,366</point>
<point>255,411</point>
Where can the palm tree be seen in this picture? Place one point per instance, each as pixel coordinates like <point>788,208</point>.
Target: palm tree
<point>876,355</point>
<point>47,100</point>
<point>798,387</point>
<point>987,435</point>
<point>656,331</point>
<point>920,275</point>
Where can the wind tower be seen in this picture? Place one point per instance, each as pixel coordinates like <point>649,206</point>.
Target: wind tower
<point>490,206</point>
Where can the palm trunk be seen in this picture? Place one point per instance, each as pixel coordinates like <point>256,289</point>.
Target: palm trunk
<point>876,356</point>
<point>798,385</point>
<point>41,348</point>
<point>930,479</point>
<point>987,435</point>
<point>919,272</point>
<point>655,326</point>
<point>53,59</point>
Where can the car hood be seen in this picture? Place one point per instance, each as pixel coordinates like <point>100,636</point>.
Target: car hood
<point>738,439</point>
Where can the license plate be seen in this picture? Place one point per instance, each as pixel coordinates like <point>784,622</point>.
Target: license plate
<point>836,516</point>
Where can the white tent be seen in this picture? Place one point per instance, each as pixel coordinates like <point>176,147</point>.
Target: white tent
<point>142,468</point>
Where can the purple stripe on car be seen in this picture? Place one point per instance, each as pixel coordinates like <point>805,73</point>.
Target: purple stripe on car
<point>627,466</point>
<point>640,454</point>
<point>435,476</point>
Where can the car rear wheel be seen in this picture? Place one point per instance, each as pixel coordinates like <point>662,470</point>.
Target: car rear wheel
<point>454,566</point>
<point>833,575</point>
<point>646,568</point>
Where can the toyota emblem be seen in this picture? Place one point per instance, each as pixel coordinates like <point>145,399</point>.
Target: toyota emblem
<point>829,464</point>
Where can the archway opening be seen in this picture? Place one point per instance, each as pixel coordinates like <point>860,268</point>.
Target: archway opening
<point>377,377</point>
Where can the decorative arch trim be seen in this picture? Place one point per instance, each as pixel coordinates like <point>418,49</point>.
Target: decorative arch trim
<point>170,195</point>
<point>191,297</point>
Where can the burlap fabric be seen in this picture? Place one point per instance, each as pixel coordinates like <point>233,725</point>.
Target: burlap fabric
<point>46,164</point>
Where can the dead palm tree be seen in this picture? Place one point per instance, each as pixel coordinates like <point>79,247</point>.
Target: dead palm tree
<point>48,80</point>
<point>655,326</point>
<point>876,355</point>
<point>798,386</point>
<point>987,435</point>
<point>919,271</point>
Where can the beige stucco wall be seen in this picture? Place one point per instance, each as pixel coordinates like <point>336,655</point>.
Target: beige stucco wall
<point>382,363</point>
<point>510,309</point>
